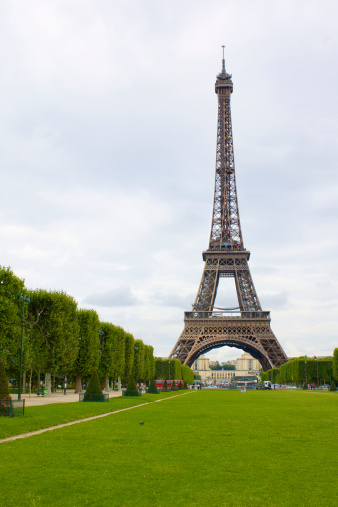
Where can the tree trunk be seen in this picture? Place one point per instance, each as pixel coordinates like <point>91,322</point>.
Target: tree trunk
<point>48,383</point>
<point>119,384</point>
<point>30,382</point>
<point>106,384</point>
<point>24,382</point>
<point>78,384</point>
<point>53,385</point>
<point>39,385</point>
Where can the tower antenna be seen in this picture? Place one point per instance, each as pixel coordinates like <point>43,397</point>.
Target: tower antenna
<point>223,61</point>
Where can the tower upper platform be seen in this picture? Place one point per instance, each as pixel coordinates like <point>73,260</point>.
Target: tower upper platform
<point>223,80</point>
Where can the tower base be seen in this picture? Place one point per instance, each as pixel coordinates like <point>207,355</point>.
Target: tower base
<point>249,331</point>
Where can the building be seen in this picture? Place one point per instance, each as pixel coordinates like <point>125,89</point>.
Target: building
<point>246,366</point>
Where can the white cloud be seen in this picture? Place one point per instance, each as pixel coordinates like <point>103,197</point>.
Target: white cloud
<point>107,155</point>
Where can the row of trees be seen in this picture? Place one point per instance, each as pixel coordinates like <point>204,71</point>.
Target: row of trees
<point>60,339</point>
<point>303,370</point>
<point>172,369</point>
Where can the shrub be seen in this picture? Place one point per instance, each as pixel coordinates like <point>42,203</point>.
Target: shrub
<point>185,386</point>
<point>93,388</point>
<point>173,386</point>
<point>131,388</point>
<point>333,386</point>
<point>152,387</point>
<point>165,386</point>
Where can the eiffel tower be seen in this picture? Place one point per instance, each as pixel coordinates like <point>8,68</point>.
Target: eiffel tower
<point>207,327</point>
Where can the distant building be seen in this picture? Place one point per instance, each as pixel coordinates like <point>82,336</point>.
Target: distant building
<point>246,366</point>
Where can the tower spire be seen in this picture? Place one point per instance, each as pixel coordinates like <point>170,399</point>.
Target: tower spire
<point>223,62</point>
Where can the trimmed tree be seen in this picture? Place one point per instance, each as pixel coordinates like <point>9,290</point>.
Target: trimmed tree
<point>131,388</point>
<point>89,346</point>
<point>333,386</point>
<point>173,386</point>
<point>94,390</point>
<point>152,388</point>
<point>335,364</point>
<point>165,386</point>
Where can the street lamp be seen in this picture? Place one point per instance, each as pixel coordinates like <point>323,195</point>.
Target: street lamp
<point>136,351</point>
<point>26,301</point>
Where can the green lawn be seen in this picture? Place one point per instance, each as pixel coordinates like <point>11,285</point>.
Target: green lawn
<point>207,448</point>
<point>37,418</point>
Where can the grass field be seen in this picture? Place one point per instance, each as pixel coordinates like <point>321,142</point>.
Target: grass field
<point>206,448</point>
<point>37,418</point>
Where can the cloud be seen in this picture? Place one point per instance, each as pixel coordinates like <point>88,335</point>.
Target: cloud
<point>107,155</point>
<point>121,296</point>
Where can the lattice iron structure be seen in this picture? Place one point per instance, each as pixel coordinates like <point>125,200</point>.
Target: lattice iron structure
<point>249,327</point>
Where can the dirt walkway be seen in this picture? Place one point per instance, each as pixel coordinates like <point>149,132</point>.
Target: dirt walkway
<point>51,428</point>
<point>58,397</point>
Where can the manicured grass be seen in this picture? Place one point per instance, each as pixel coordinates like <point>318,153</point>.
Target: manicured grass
<point>37,418</point>
<point>207,448</point>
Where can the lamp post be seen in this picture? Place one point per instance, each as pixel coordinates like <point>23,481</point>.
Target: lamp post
<point>136,351</point>
<point>26,301</point>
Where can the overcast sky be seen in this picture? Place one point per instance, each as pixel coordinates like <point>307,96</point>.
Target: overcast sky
<point>107,155</point>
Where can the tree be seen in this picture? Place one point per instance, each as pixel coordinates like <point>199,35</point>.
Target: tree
<point>89,346</point>
<point>4,387</point>
<point>128,356</point>
<point>10,325</point>
<point>139,361</point>
<point>112,352</point>
<point>228,367</point>
<point>53,315</point>
<point>335,364</point>
<point>152,387</point>
<point>131,388</point>
<point>149,363</point>
<point>93,391</point>
<point>5,397</point>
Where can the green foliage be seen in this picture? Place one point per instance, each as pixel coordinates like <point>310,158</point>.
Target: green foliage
<point>335,364</point>
<point>10,323</point>
<point>89,343</point>
<point>139,361</point>
<point>219,367</point>
<point>128,356</point>
<point>333,386</point>
<point>131,388</point>
<point>187,374</point>
<point>185,385</point>
<point>94,386</point>
<point>149,361</point>
<point>173,386</point>
<point>4,387</point>
<point>152,387</point>
<point>53,317</point>
<point>165,386</point>
<point>300,370</point>
<point>112,351</point>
